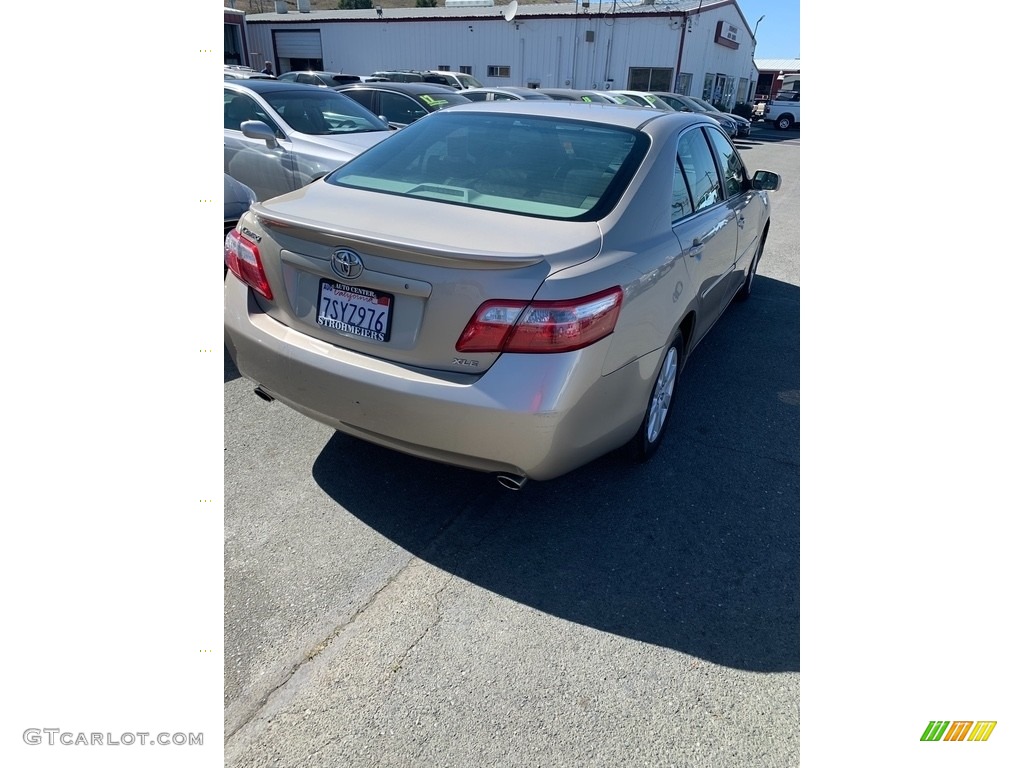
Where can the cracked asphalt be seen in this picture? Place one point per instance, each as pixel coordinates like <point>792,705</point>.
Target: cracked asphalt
<point>381,610</point>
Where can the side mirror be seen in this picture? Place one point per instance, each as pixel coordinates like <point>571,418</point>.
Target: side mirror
<point>257,129</point>
<point>766,180</point>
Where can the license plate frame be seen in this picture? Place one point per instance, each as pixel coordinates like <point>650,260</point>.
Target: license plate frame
<point>339,304</point>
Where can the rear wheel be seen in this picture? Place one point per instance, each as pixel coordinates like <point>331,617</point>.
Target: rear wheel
<point>659,406</point>
<point>784,122</point>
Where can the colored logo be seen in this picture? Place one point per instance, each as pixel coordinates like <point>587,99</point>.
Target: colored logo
<point>959,730</point>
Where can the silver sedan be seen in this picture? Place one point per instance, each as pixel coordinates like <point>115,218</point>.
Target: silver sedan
<point>279,136</point>
<point>512,287</point>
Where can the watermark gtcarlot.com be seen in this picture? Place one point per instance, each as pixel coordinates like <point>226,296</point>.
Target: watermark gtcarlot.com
<point>56,736</point>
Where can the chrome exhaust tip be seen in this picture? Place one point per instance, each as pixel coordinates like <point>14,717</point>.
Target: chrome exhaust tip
<point>511,482</point>
<point>262,394</point>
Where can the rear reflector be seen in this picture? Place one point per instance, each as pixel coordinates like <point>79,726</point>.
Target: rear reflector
<point>541,326</point>
<point>242,257</point>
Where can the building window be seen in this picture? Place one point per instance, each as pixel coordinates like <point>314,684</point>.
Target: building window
<point>741,92</point>
<point>466,70</point>
<point>684,81</point>
<point>709,87</point>
<point>443,68</point>
<point>496,71</point>
<point>650,79</point>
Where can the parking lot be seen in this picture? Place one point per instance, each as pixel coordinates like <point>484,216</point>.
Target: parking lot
<point>383,610</point>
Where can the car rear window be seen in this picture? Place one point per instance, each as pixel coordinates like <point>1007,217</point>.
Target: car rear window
<point>533,166</point>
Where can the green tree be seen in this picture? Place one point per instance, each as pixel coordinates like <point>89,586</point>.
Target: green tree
<point>354,5</point>
<point>426,3</point>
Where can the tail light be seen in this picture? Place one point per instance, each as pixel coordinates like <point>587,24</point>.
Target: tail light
<point>243,259</point>
<point>541,326</point>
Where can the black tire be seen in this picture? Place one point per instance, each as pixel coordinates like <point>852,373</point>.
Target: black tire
<point>661,400</point>
<point>748,282</point>
<point>784,122</point>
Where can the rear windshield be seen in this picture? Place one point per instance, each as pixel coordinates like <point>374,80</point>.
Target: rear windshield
<point>533,166</point>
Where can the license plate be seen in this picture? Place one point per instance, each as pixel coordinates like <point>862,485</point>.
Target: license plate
<point>353,310</point>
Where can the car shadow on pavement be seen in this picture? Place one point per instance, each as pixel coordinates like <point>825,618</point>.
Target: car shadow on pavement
<point>696,550</point>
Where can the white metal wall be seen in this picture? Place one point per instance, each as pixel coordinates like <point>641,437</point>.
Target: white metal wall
<point>546,51</point>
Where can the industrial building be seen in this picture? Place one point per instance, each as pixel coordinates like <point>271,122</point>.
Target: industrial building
<point>696,47</point>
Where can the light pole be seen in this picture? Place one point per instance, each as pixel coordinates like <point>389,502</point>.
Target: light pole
<point>753,52</point>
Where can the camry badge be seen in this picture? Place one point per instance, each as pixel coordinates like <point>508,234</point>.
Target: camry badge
<point>347,264</point>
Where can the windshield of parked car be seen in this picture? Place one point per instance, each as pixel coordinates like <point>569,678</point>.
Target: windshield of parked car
<point>534,166</point>
<point>323,112</point>
<point>696,104</point>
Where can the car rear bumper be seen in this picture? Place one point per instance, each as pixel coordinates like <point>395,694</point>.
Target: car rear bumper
<point>539,416</point>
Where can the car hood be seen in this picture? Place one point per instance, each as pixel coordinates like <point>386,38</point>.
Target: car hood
<point>342,148</point>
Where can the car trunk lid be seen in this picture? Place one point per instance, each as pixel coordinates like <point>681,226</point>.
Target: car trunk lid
<point>399,278</point>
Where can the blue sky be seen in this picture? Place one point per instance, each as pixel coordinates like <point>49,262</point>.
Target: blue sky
<point>778,36</point>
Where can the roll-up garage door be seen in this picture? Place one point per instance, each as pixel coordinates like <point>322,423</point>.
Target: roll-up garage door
<point>297,45</point>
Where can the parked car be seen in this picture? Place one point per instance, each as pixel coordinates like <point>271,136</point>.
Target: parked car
<point>646,99</point>
<point>399,76</point>
<point>504,94</point>
<point>237,199</point>
<point>742,124</point>
<point>682,103</point>
<point>238,72</point>
<point>458,80</point>
<point>512,288</point>
<point>323,79</point>
<point>280,136</point>
<point>403,103</point>
<point>582,94</point>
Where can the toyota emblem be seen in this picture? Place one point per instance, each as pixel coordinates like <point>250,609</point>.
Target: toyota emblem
<point>347,264</point>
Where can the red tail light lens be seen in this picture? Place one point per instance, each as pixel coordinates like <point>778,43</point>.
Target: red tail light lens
<point>542,326</point>
<point>243,259</point>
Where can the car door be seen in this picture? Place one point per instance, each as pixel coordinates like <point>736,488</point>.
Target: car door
<point>745,203</point>
<point>268,171</point>
<point>705,226</point>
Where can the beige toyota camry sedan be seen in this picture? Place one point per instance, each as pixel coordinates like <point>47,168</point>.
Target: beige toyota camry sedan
<point>511,287</point>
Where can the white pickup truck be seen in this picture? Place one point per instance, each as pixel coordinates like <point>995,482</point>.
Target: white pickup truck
<point>784,110</point>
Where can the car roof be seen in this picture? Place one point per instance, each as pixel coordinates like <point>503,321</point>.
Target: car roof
<point>310,72</point>
<point>413,89</point>
<point>611,114</point>
<point>247,76</point>
<point>508,89</point>
<point>270,86</point>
